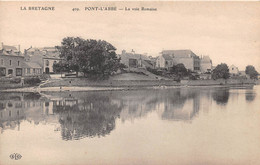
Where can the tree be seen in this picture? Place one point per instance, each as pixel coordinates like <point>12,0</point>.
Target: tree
<point>250,70</point>
<point>179,70</point>
<point>221,71</point>
<point>96,57</point>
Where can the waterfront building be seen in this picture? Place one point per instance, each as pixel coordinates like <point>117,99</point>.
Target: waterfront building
<point>11,61</point>
<point>45,57</point>
<point>134,60</point>
<point>164,61</point>
<point>186,57</point>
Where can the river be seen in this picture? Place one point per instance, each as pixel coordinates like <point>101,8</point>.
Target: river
<point>188,125</point>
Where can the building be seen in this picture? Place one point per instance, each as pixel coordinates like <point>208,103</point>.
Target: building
<point>205,64</point>
<point>134,60</point>
<point>11,61</point>
<point>186,57</point>
<point>233,70</point>
<point>45,57</point>
<point>164,61</point>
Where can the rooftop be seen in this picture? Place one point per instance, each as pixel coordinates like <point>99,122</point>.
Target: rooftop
<point>32,65</point>
<point>186,53</point>
<point>167,57</point>
<point>9,51</point>
<point>135,56</point>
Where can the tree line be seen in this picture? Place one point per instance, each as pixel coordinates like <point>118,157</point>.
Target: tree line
<point>98,59</point>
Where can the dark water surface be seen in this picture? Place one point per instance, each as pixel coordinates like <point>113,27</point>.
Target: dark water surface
<point>199,125</point>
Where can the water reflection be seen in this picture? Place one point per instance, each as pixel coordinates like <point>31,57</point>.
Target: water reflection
<point>94,114</point>
<point>250,96</point>
<point>221,96</point>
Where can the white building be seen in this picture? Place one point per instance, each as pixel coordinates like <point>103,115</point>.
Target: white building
<point>233,70</point>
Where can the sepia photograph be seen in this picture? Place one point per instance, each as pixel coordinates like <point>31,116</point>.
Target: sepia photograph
<point>129,83</point>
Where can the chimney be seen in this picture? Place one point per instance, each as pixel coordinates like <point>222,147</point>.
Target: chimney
<point>123,52</point>
<point>19,49</point>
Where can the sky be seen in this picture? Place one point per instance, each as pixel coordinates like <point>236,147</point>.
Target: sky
<point>229,32</point>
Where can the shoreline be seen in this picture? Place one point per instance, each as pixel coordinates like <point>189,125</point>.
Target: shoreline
<point>99,88</point>
<point>81,84</point>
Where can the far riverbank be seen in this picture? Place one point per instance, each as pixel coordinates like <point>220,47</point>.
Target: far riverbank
<point>82,84</point>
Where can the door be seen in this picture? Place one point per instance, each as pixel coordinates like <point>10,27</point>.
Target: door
<point>47,70</point>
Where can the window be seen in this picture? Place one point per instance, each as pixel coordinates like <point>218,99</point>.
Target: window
<point>18,71</point>
<point>18,63</point>
<point>10,71</point>
<point>55,62</point>
<point>33,71</point>
<point>10,62</point>
<point>28,70</point>
<point>2,62</point>
<point>2,72</point>
<point>47,63</point>
<point>10,105</point>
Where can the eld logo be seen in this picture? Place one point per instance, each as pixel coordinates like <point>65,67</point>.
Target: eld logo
<point>15,156</point>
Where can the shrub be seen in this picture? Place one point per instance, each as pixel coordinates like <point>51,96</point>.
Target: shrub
<point>154,71</point>
<point>32,80</point>
<point>15,80</point>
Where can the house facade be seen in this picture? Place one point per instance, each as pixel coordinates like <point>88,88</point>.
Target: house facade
<point>11,61</point>
<point>134,60</point>
<point>164,61</point>
<point>46,57</point>
<point>32,69</point>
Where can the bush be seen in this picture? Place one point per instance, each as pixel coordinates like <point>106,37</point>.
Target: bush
<point>32,80</point>
<point>5,80</point>
<point>44,76</point>
<point>154,71</point>
<point>15,80</point>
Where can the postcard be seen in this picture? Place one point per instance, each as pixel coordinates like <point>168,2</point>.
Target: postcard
<point>129,83</point>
